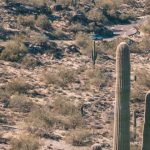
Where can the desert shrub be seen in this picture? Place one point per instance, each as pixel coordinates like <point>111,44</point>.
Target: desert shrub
<point>84,42</point>
<point>43,22</point>
<point>14,51</point>
<point>18,85</point>
<point>20,103</point>
<point>64,2</point>
<point>96,16</point>
<point>79,137</point>
<point>62,77</point>
<point>147,6</point>
<point>63,106</point>
<point>41,117</point>
<point>146,27</point>
<point>27,20</point>
<point>59,34</point>
<point>143,77</point>
<point>39,38</point>
<point>108,47</point>
<point>67,116</point>
<point>96,77</point>
<point>30,61</point>
<point>25,142</point>
<point>44,118</point>
<point>142,46</point>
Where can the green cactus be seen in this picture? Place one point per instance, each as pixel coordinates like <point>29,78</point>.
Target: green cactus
<point>134,124</point>
<point>94,54</point>
<point>122,96</point>
<point>74,3</point>
<point>96,147</point>
<point>146,131</point>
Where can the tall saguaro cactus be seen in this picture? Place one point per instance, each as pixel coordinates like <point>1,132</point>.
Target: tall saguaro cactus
<point>122,96</point>
<point>146,131</point>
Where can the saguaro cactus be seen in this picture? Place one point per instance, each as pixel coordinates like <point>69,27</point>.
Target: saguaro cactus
<point>146,131</point>
<point>74,3</point>
<point>122,96</point>
<point>94,54</point>
<point>134,124</point>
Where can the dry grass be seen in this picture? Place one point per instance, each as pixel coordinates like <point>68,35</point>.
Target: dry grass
<point>18,85</point>
<point>143,77</point>
<point>67,116</point>
<point>145,27</point>
<point>28,21</point>
<point>80,137</point>
<point>25,142</point>
<point>43,22</point>
<point>62,77</point>
<point>84,42</point>
<point>14,51</point>
<point>20,103</point>
<point>96,78</point>
<point>30,61</point>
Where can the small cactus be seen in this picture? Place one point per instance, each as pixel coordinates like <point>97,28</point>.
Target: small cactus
<point>94,54</point>
<point>146,131</point>
<point>74,3</point>
<point>122,96</point>
<point>134,124</point>
<point>96,147</point>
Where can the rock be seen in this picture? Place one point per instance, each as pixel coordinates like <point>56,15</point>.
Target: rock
<point>79,18</point>
<point>72,49</point>
<point>96,147</point>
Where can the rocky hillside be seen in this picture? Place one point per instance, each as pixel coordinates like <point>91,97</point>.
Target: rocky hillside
<point>51,95</point>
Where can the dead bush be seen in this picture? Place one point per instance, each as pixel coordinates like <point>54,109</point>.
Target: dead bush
<point>18,85</point>
<point>25,142</point>
<point>79,137</point>
<point>14,51</point>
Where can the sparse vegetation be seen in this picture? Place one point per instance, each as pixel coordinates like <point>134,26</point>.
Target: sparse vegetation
<point>51,96</point>
<point>25,142</point>
<point>20,103</point>
<point>62,77</point>
<point>18,85</point>
<point>43,22</point>
<point>14,51</point>
<point>30,61</point>
<point>80,137</point>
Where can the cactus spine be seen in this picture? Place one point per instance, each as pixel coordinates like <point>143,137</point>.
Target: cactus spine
<point>146,131</point>
<point>94,54</point>
<point>122,96</point>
